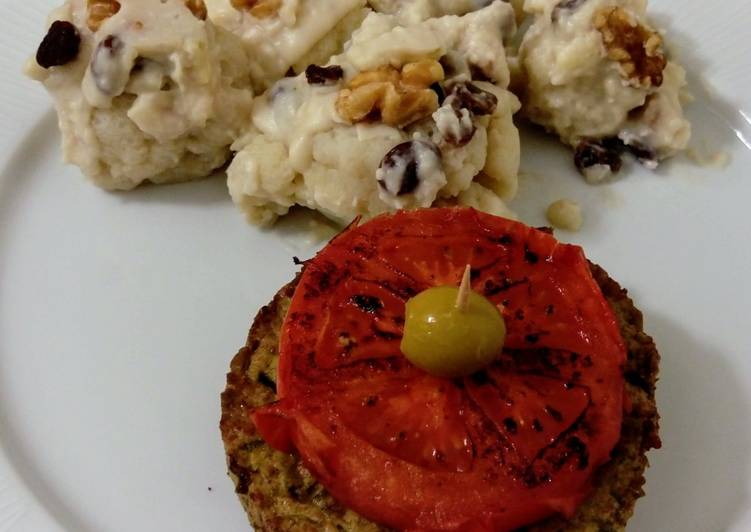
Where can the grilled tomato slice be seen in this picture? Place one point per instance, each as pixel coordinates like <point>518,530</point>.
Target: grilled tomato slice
<point>503,448</point>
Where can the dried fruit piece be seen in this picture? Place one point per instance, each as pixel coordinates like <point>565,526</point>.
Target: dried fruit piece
<point>597,159</point>
<point>645,154</point>
<point>454,123</point>
<point>402,168</point>
<point>198,8</point>
<point>318,75</point>
<point>637,48</point>
<point>107,77</point>
<point>60,46</point>
<point>395,97</point>
<point>258,8</point>
<point>472,97</point>
<point>99,11</point>
<point>455,119</point>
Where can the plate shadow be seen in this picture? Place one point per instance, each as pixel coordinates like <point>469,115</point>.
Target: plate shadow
<point>698,480</point>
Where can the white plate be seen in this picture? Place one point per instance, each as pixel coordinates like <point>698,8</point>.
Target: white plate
<point>119,313</point>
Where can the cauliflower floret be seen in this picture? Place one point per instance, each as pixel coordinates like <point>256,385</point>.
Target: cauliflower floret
<point>408,114</point>
<point>597,76</point>
<point>411,11</point>
<point>280,35</point>
<point>152,92</point>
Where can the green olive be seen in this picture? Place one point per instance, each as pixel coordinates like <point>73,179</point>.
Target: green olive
<point>448,341</point>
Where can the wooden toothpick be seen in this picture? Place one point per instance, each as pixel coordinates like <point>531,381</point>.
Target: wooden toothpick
<point>462,299</point>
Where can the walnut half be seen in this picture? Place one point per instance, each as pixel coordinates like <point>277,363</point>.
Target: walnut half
<point>395,97</point>
<point>636,47</point>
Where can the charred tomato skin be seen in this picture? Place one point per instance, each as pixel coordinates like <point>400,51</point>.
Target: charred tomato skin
<point>498,450</point>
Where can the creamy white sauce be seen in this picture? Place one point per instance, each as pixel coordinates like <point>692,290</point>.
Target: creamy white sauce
<point>478,38</point>
<point>154,94</point>
<point>411,11</point>
<point>427,164</point>
<point>574,90</point>
<point>299,150</point>
<point>278,42</point>
<point>453,124</point>
<point>293,111</point>
<point>596,173</point>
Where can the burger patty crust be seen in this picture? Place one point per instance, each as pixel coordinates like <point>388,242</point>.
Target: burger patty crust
<point>279,494</point>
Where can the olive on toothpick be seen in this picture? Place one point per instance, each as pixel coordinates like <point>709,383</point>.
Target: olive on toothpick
<point>452,331</point>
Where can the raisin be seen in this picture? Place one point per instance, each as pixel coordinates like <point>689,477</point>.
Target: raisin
<point>109,80</point>
<point>60,46</point>
<point>471,97</point>
<point>606,152</point>
<point>399,171</point>
<point>318,75</point>
<point>455,125</point>
<point>642,152</point>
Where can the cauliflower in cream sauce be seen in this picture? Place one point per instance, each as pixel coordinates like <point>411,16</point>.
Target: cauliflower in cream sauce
<point>598,76</point>
<point>408,114</point>
<point>145,91</point>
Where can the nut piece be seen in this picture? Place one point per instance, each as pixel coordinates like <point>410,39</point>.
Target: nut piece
<point>565,214</point>
<point>637,48</point>
<point>422,74</point>
<point>60,46</point>
<point>198,8</point>
<point>258,8</point>
<point>396,98</point>
<point>386,74</point>
<point>99,11</point>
